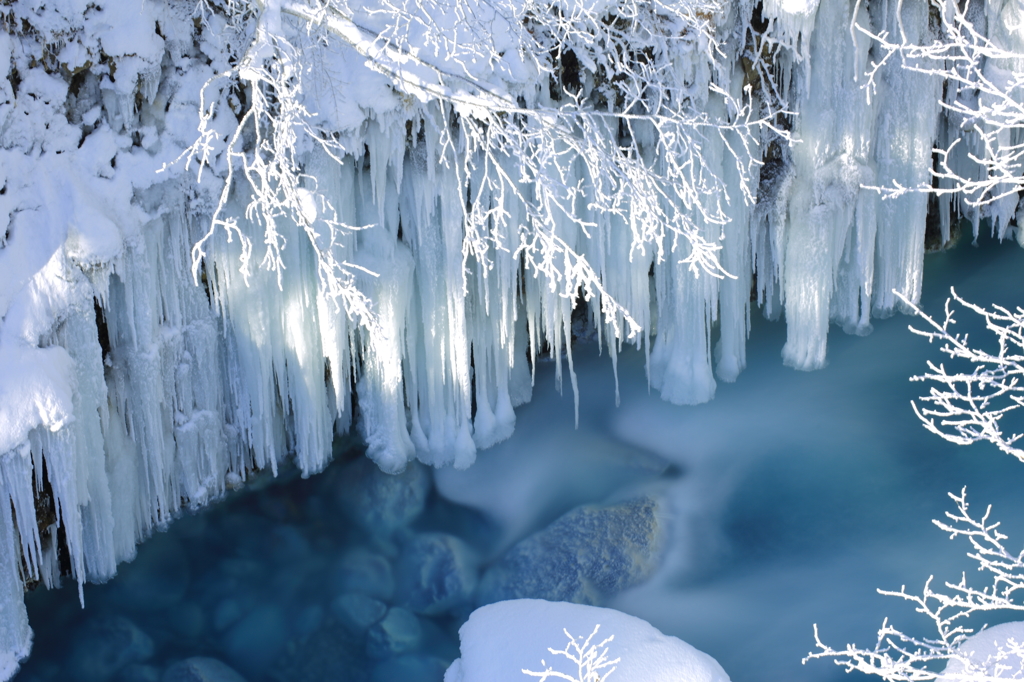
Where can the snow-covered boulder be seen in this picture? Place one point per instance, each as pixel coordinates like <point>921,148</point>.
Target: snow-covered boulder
<point>510,640</point>
<point>585,556</point>
<point>996,652</point>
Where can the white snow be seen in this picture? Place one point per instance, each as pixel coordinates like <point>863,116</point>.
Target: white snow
<point>995,653</point>
<point>501,641</point>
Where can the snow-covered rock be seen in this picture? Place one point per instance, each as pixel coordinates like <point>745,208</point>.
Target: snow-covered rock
<point>994,653</point>
<point>501,642</point>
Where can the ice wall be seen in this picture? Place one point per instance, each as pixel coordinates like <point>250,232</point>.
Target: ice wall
<point>129,390</point>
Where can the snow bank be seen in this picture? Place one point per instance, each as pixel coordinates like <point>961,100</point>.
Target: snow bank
<point>994,653</point>
<point>501,642</point>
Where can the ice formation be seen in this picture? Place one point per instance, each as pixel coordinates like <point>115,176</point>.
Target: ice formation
<point>135,381</point>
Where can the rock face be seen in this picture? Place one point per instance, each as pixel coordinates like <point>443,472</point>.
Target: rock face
<point>435,573</point>
<point>587,555</point>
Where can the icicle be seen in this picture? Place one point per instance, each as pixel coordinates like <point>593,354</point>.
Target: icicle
<point>17,493</point>
<point>908,118</point>
<point>830,164</point>
<point>15,634</point>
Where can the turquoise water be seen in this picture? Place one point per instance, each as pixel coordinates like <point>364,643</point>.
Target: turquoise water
<point>792,496</point>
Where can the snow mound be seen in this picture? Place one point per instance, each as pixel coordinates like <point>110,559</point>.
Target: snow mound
<point>509,640</point>
<point>994,653</point>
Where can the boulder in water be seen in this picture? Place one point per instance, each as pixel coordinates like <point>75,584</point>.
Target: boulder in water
<point>105,646</point>
<point>201,669</point>
<point>398,633</point>
<point>435,573</point>
<point>587,555</point>
<point>361,570</point>
<point>382,503</point>
<point>357,612</point>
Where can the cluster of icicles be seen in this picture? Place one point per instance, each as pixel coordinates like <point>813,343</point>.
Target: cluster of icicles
<point>186,389</point>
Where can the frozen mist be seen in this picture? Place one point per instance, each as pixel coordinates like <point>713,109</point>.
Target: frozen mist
<point>431,208</point>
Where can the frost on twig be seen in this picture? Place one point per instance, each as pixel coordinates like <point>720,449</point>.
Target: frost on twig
<point>569,113</point>
<point>899,657</point>
<point>968,406</point>
<point>983,159</point>
<point>591,660</point>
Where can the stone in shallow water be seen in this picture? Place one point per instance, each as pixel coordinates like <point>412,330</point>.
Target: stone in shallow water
<point>357,612</point>
<point>410,668</point>
<point>155,580</point>
<point>105,646</point>
<point>286,544</point>
<point>187,620</point>
<point>435,573</point>
<point>398,633</point>
<point>382,503</point>
<point>201,669</point>
<point>361,570</point>
<point>138,672</point>
<point>255,641</point>
<point>307,620</point>
<point>587,555</point>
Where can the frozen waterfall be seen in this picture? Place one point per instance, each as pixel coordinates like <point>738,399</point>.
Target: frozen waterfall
<point>135,382</point>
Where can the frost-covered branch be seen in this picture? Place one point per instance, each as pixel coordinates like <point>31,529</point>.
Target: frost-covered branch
<point>968,406</point>
<point>983,156</point>
<point>591,660</point>
<point>898,657</point>
<point>575,112</point>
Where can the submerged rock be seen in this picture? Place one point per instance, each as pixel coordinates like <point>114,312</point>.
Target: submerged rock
<point>435,573</point>
<point>410,668</point>
<point>361,570</point>
<point>256,640</point>
<point>201,669</point>
<point>399,633</point>
<point>157,579</point>
<point>307,621</point>
<point>107,645</point>
<point>584,557</point>
<point>357,612</point>
<point>138,672</point>
<point>382,503</point>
